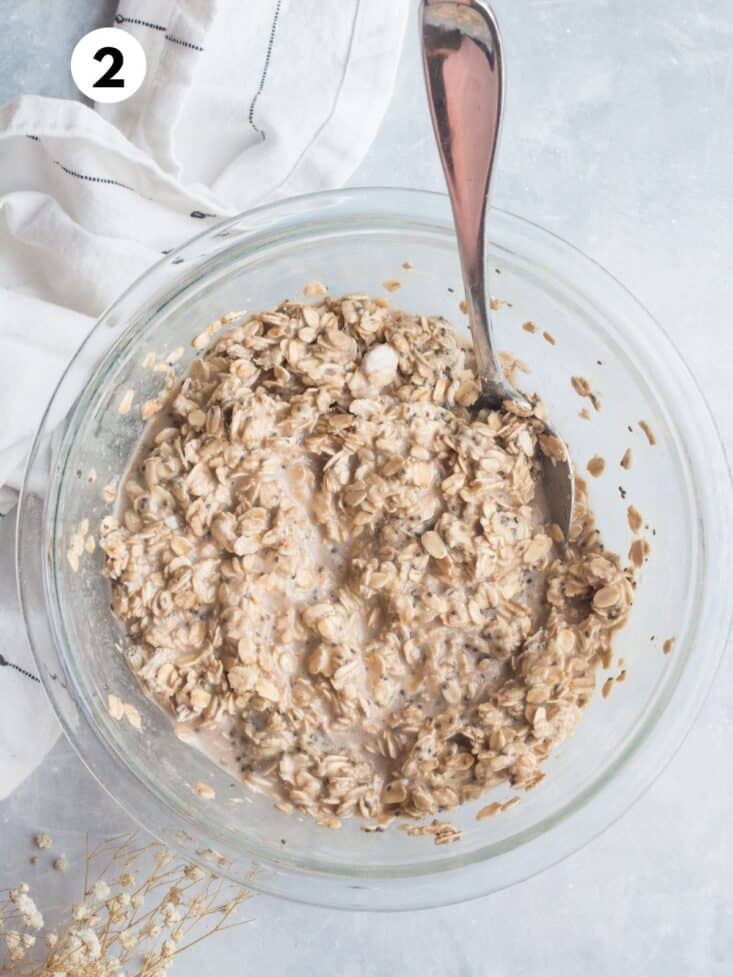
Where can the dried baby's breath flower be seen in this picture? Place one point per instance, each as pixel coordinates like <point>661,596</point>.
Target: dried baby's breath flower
<point>112,933</point>
<point>28,911</point>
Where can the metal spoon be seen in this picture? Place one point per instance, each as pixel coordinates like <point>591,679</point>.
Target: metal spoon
<point>464,80</point>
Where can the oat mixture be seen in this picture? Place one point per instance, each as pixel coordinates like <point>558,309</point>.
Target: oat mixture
<point>327,559</point>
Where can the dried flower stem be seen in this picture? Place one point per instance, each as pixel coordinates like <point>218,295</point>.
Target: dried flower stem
<point>121,927</point>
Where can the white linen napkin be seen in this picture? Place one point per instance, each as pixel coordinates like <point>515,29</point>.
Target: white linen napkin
<point>243,102</point>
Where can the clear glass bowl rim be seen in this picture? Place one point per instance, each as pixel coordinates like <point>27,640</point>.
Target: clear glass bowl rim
<point>318,885</point>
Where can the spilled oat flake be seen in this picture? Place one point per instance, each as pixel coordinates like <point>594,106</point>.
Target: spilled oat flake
<point>109,492</point>
<point>638,552</point>
<point>496,807</point>
<point>79,542</point>
<point>126,402</point>
<point>583,389</point>
<point>123,710</point>
<point>650,436</point>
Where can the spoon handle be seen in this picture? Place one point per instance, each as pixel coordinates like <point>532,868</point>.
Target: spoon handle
<point>464,80</point>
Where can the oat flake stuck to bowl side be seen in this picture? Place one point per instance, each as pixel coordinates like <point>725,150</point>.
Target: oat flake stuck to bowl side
<point>326,554</point>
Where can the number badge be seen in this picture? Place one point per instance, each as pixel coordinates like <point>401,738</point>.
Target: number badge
<point>108,65</point>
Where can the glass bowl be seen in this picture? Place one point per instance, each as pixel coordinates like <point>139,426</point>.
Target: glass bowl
<point>354,240</point>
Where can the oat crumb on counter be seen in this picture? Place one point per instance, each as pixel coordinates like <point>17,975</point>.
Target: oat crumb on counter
<point>204,790</point>
<point>626,459</point>
<point>650,436</point>
<point>668,645</point>
<point>583,389</point>
<point>596,466</point>
<point>392,284</point>
<point>529,327</point>
<point>549,338</point>
<point>638,552</point>
<point>634,519</point>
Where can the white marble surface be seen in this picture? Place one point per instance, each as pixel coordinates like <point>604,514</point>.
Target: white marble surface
<point>617,137</point>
